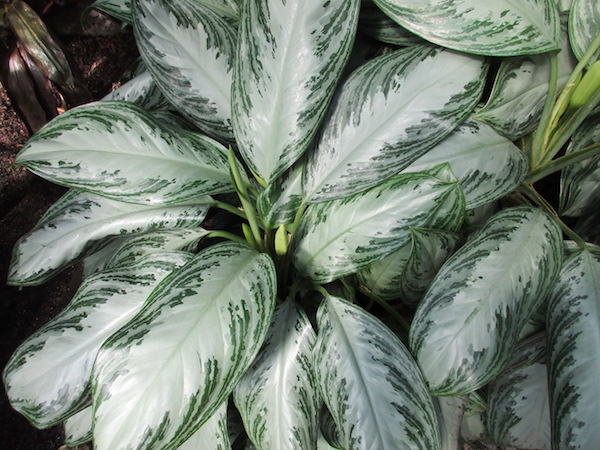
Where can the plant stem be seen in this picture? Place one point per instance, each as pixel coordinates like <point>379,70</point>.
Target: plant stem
<point>389,309</point>
<point>562,162</point>
<point>227,235</point>
<point>534,195</point>
<point>232,209</point>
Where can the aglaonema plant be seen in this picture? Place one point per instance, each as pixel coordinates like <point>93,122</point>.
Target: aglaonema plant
<point>389,275</point>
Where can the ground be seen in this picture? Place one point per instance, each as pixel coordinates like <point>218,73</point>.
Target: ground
<point>102,56</point>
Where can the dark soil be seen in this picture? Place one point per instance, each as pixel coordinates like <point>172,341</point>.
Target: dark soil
<point>101,56</point>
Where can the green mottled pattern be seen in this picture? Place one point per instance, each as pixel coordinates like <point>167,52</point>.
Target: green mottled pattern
<point>67,345</point>
<point>119,9</point>
<point>406,273</point>
<point>465,328</point>
<point>573,322</point>
<point>213,435</point>
<point>488,165</point>
<point>189,50</point>
<point>370,382</point>
<point>340,237</point>
<point>142,91</point>
<point>290,56</point>
<point>494,28</point>
<point>374,23</point>
<point>80,223</point>
<point>78,427</point>
<point>280,201</point>
<point>117,150</point>
<point>278,396</point>
<point>179,359</point>
<point>388,113</point>
<point>520,88</point>
<point>518,413</point>
<point>584,26</point>
<point>580,182</point>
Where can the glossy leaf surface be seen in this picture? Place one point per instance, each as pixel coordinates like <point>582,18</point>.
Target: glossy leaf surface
<point>387,114</point>
<point>117,150</point>
<point>466,326</point>
<point>213,434</point>
<point>185,351</point>
<point>290,56</point>
<point>353,350</point>
<point>584,26</point>
<point>78,428</point>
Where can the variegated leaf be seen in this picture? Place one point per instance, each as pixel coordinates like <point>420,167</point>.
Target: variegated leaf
<point>80,223</point>
<point>78,427</point>
<point>278,396</point>
<point>573,325</point>
<point>466,326</point>
<point>179,359</point>
<point>580,182</point>
<point>290,56</point>
<point>340,237</point>
<point>488,165</point>
<point>518,413</point>
<point>584,26</point>
<point>494,28</point>
<point>189,50</point>
<point>66,347</point>
<point>388,113</point>
<point>280,201</point>
<point>450,415</point>
<point>213,435</point>
<point>117,150</point>
<point>119,9</point>
<point>370,382</point>
<point>406,273</point>
<point>142,91</point>
<point>329,429</point>
<point>520,89</point>
<point>473,426</point>
<point>373,22</point>
<point>227,9</point>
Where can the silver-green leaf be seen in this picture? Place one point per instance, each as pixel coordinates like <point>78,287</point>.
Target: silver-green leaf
<point>280,201</point>
<point>584,26</point>
<point>66,347</point>
<point>370,382</point>
<point>179,359</point>
<point>78,427</point>
<point>465,328</point>
<point>494,28</point>
<point>117,150</point>
<point>387,114</point>
<point>290,56</point>
<point>278,396</point>
<point>488,165</point>
<point>340,237</point>
<point>213,435</point>
<point>189,49</point>
<point>573,325</point>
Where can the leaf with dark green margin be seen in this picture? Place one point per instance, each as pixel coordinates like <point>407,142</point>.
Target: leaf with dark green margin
<point>465,328</point>
<point>584,26</point>
<point>494,28</point>
<point>279,202</point>
<point>340,237</point>
<point>388,113</point>
<point>213,435</point>
<point>81,223</point>
<point>291,54</point>
<point>374,23</point>
<point>189,49</point>
<point>573,325</point>
<point>370,382</point>
<point>179,359</point>
<point>119,151</point>
<point>278,396</point>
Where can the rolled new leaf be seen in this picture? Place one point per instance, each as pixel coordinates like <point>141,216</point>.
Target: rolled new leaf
<point>573,325</point>
<point>80,223</point>
<point>189,49</point>
<point>117,150</point>
<point>467,324</point>
<point>370,382</point>
<point>290,56</point>
<point>340,237</point>
<point>66,347</point>
<point>165,374</point>
<point>278,396</point>
<point>496,28</point>
<point>388,113</point>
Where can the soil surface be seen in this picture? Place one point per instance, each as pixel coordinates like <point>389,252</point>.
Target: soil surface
<point>101,53</point>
